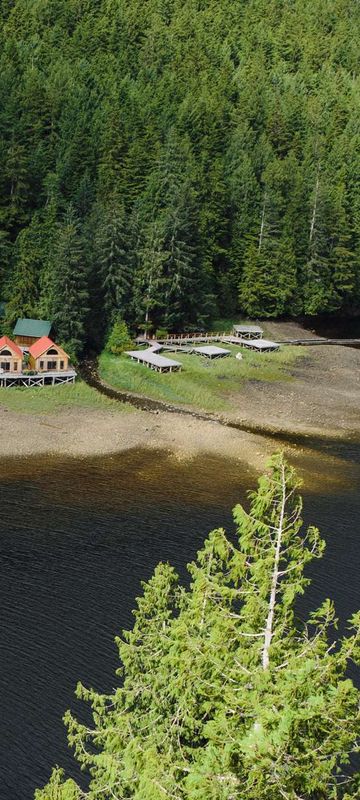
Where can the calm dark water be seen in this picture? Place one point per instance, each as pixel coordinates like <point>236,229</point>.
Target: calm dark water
<point>76,539</point>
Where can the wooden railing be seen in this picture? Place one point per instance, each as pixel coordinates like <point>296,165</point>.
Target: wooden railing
<point>175,337</point>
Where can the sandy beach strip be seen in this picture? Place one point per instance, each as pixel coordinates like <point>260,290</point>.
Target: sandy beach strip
<point>89,432</point>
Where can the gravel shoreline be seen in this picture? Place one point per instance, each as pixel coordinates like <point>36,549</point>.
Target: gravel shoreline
<point>88,432</point>
<point>322,400</point>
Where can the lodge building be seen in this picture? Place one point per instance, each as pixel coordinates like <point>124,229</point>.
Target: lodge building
<point>41,364</point>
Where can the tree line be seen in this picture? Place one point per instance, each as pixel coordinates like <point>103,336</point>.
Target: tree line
<point>223,692</point>
<point>169,161</point>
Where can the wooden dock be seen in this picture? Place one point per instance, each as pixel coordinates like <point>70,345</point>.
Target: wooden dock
<point>12,379</point>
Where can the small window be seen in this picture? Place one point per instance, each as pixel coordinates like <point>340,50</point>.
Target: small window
<point>52,352</point>
<point>5,353</point>
<point>5,365</point>
<point>51,364</point>
<point>61,365</point>
<point>15,366</point>
<point>41,365</point>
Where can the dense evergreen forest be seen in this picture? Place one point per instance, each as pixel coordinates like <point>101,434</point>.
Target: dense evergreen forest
<point>169,160</point>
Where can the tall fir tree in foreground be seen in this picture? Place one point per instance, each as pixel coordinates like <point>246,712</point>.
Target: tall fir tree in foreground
<point>226,694</point>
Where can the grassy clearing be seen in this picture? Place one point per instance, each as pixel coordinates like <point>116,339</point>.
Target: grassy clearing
<point>50,399</point>
<point>204,384</point>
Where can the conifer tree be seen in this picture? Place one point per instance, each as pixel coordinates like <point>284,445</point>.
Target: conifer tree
<point>24,289</point>
<point>178,268</point>
<point>58,789</point>
<point>317,271</point>
<point>343,256</point>
<point>119,337</point>
<point>5,255</point>
<point>268,282</point>
<point>69,288</point>
<point>149,278</point>
<point>16,172</point>
<point>226,694</point>
<point>49,220</point>
<point>112,259</point>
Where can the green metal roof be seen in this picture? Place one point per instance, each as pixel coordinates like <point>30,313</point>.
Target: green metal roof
<point>32,327</point>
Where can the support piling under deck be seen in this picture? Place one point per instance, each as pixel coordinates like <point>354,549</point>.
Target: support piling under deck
<point>9,379</point>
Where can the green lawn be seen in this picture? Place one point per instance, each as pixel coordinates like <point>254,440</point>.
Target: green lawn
<point>50,399</point>
<point>204,384</point>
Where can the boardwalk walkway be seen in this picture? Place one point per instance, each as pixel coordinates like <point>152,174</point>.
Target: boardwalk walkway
<point>186,339</point>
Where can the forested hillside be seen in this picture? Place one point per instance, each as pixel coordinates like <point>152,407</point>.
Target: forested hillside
<point>168,160</point>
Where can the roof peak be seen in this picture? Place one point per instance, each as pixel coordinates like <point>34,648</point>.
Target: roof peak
<point>5,340</point>
<point>44,343</point>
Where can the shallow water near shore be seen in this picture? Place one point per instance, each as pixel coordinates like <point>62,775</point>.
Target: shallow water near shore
<point>76,538</point>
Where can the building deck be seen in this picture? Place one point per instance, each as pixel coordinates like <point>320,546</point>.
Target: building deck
<point>260,345</point>
<point>211,352</point>
<point>248,331</point>
<point>151,359</point>
<point>9,379</point>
